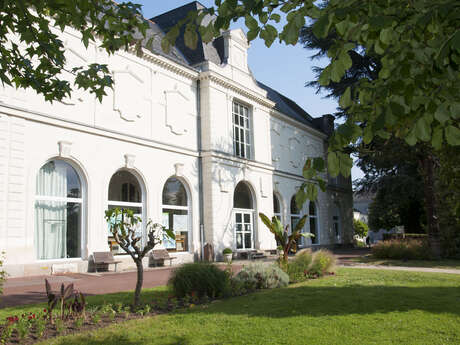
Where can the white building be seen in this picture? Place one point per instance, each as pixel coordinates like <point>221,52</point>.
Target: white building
<point>190,139</point>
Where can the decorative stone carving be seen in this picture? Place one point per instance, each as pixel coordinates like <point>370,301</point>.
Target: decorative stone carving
<point>224,181</point>
<point>129,161</point>
<point>176,103</point>
<point>294,154</point>
<point>263,188</point>
<point>179,168</point>
<point>65,148</point>
<point>131,105</point>
<point>73,58</point>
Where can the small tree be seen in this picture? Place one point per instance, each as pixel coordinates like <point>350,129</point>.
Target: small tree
<point>360,228</point>
<point>286,241</point>
<point>122,224</point>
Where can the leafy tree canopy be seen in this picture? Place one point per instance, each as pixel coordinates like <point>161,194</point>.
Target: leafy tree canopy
<point>416,94</point>
<point>32,54</point>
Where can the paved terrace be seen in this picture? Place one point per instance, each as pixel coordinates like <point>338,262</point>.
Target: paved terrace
<point>26,290</point>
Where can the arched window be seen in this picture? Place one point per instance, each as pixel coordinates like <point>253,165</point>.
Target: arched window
<point>313,221</point>
<point>125,192</point>
<point>295,213</point>
<point>176,215</point>
<point>336,222</point>
<point>58,211</point>
<point>244,216</point>
<point>276,207</point>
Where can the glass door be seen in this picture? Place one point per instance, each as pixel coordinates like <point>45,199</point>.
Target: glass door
<point>243,230</point>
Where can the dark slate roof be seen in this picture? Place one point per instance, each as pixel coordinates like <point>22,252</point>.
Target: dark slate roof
<point>212,51</point>
<point>155,34</point>
<point>288,107</point>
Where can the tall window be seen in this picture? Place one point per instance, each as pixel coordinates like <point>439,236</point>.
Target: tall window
<point>176,215</point>
<point>125,193</point>
<point>58,211</point>
<point>336,223</point>
<point>241,131</point>
<point>313,221</point>
<point>295,213</point>
<point>244,215</point>
<point>276,207</point>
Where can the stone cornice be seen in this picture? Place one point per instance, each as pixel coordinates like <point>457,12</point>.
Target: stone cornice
<point>168,64</point>
<point>237,88</point>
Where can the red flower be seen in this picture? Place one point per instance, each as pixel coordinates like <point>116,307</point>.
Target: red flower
<point>44,310</point>
<point>16,318</point>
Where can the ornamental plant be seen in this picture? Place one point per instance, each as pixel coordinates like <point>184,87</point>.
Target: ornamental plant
<point>123,223</point>
<point>287,241</point>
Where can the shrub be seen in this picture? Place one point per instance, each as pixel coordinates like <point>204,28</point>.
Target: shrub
<point>260,276</point>
<point>299,265</point>
<point>408,249</point>
<point>361,229</point>
<point>323,262</point>
<point>202,279</point>
<point>227,251</point>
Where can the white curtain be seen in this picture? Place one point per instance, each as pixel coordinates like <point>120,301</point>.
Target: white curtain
<point>51,216</point>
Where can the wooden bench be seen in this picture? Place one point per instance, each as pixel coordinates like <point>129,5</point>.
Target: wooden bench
<point>160,255</point>
<point>103,259</point>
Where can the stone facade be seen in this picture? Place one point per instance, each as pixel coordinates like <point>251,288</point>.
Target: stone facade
<point>163,119</point>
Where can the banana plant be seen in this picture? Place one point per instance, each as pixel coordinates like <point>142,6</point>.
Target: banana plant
<point>287,241</point>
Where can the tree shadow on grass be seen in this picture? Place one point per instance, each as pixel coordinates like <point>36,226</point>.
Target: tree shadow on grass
<point>333,301</point>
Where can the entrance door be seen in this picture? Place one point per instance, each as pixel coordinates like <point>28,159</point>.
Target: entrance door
<point>244,230</point>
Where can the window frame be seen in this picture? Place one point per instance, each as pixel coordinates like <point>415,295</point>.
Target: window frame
<point>127,204</point>
<point>187,208</point>
<point>83,212</point>
<point>316,218</point>
<point>246,129</point>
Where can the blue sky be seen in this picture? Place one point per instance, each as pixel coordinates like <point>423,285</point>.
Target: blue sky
<point>284,68</point>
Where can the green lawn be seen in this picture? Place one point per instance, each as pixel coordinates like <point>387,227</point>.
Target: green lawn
<point>354,307</point>
<point>444,263</point>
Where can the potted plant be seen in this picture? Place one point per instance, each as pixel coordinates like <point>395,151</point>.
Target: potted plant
<point>228,253</point>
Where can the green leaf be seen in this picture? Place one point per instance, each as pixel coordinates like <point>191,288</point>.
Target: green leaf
<point>345,99</point>
<point>346,163</point>
<point>386,35</point>
<point>319,164</point>
<point>436,140</point>
<point>250,22</point>
<point>411,138</point>
<point>322,185</point>
<point>321,27</point>
<point>442,114</point>
<point>333,164</point>
<point>423,129</point>
<point>452,134</point>
<point>300,198</point>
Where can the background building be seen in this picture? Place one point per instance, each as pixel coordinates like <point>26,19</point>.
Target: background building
<point>189,139</point>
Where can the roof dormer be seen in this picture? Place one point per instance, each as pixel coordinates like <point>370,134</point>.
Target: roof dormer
<point>236,49</point>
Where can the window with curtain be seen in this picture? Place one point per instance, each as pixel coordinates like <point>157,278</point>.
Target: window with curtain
<point>58,211</point>
<point>175,215</point>
<point>125,193</point>
<point>313,222</point>
<point>241,131</point>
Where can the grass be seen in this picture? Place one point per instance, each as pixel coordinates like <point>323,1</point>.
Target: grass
<point>353,307</point>
<point>444,263</point>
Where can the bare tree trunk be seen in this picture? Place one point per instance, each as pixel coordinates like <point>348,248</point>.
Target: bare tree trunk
<point>140,281</point>
<point>427,164</point>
